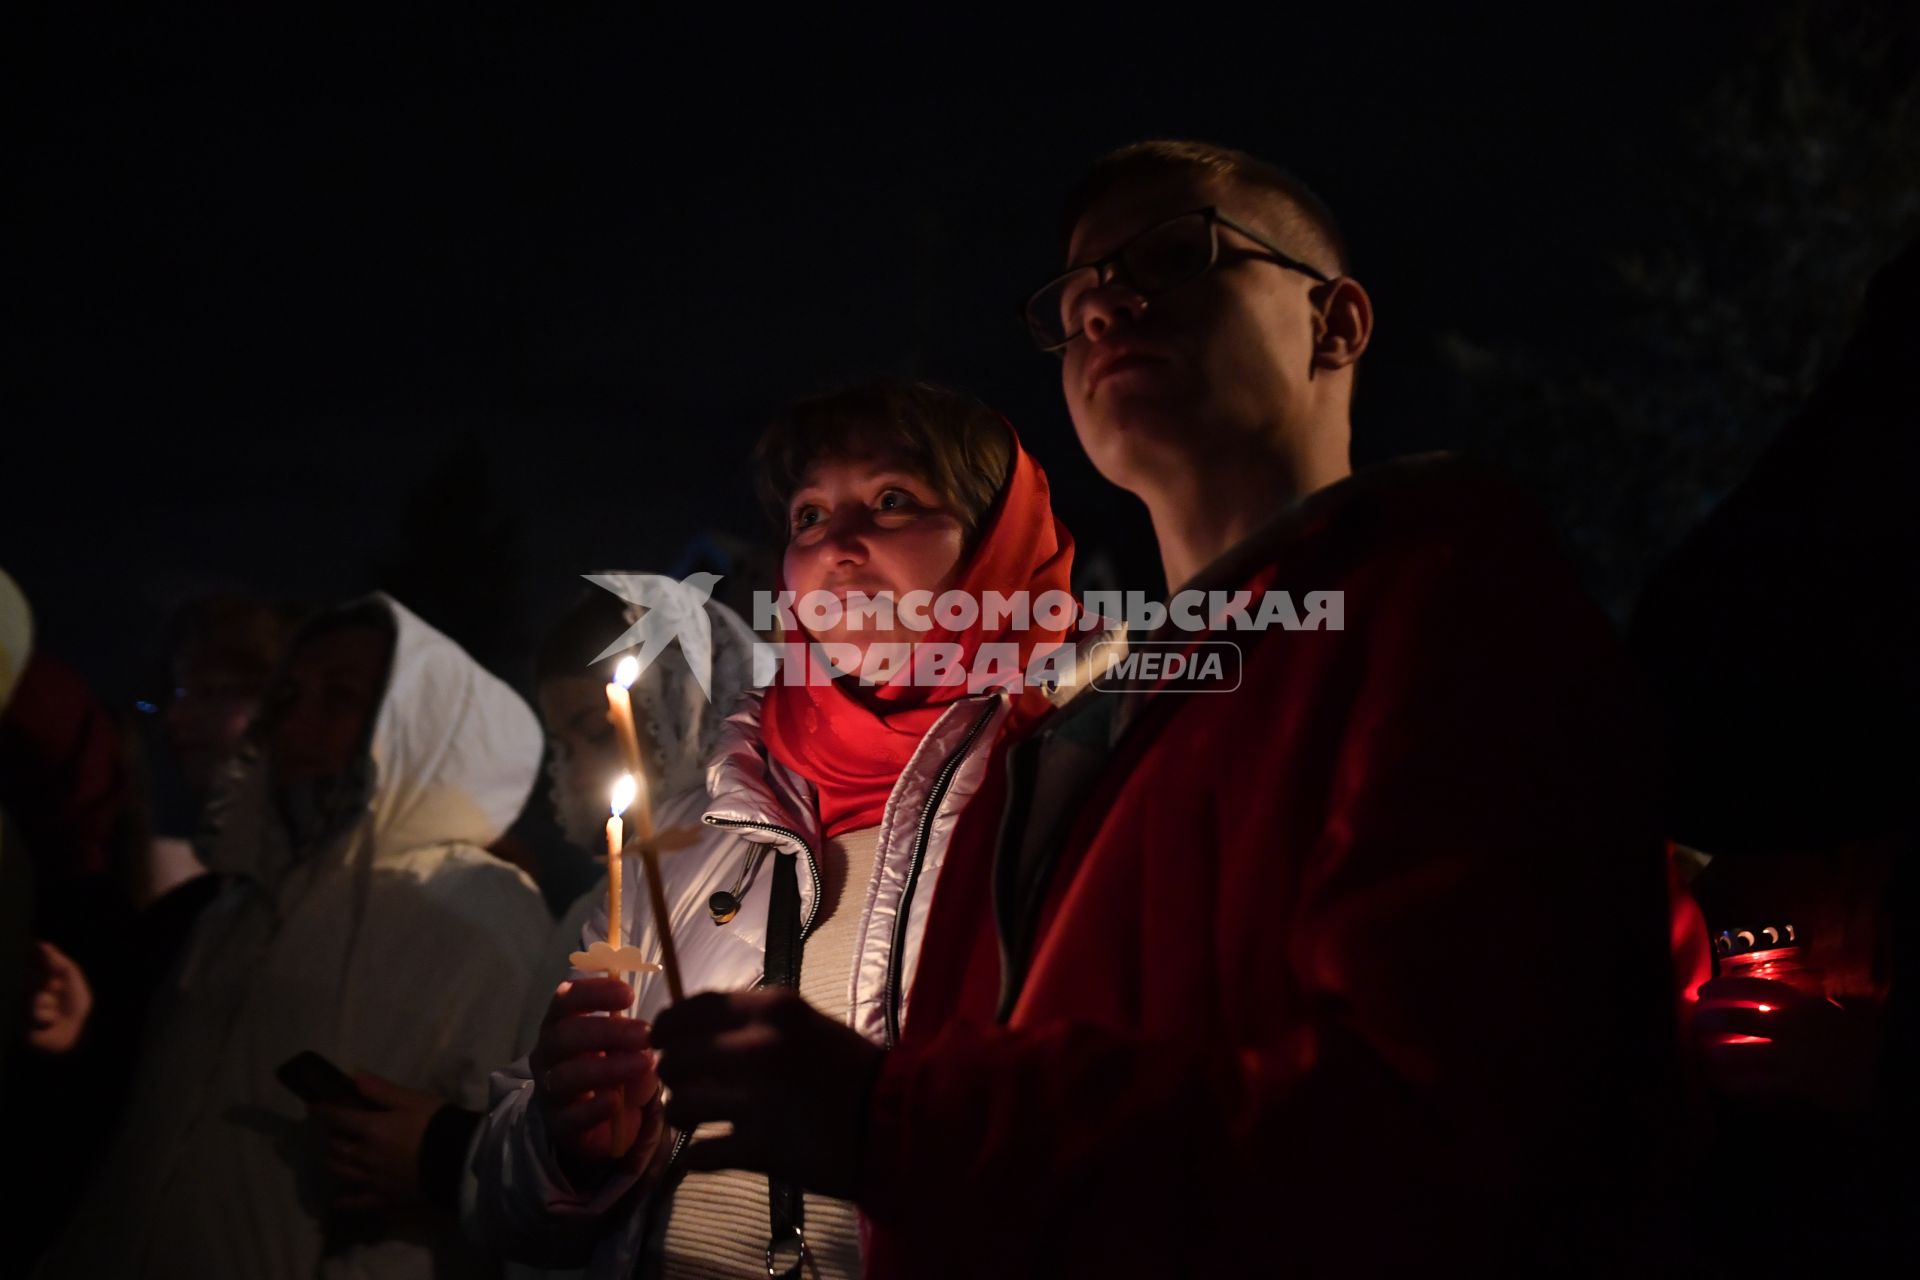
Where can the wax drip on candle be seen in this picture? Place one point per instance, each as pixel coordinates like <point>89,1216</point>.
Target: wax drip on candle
<point>620,709</point>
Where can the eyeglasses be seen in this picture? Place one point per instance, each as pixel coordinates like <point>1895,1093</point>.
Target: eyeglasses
<point>1165,255</point>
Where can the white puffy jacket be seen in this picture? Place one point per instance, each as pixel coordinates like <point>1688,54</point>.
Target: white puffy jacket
<point>523,1204</point>
<point>403,948</point>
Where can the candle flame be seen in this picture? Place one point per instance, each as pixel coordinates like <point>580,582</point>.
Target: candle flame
<point>623,793</point>
<point>627,672</point>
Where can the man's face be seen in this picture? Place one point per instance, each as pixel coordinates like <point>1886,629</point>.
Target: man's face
<point>1219,365</point>
<point>327,702</point>
<point>211,708</point>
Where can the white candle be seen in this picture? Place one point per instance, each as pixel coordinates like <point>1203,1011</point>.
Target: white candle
<point>620,709</point>
<point>622,798</point>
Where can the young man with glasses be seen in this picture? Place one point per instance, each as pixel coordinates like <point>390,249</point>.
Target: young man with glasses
<point>1357,967</point>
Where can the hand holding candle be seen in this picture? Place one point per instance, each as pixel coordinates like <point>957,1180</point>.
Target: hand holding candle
<point>631,794</point>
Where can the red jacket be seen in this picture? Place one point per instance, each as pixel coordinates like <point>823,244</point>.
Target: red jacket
<point>1357,967</point>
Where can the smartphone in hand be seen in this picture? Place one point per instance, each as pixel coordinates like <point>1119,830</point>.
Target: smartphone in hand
<point>320,1083</point>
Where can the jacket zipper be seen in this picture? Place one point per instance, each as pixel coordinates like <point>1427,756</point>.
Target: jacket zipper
<point>813,868</point>
<point>806,927</point>
<point>895,959</point>
<point>921,837</point>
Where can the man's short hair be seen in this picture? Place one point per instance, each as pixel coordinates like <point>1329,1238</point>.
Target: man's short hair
<point>1306,221</point>
<point>247,636</point>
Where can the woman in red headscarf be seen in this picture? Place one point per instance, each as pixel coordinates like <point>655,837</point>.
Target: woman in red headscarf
<point>908,513</point>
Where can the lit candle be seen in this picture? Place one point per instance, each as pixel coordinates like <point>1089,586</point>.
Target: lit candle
<point>622,799</point>
<point>620,709</point>
<point>638,799</point>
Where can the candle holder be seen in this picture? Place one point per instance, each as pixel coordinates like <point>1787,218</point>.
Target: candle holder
<point>604,957</point>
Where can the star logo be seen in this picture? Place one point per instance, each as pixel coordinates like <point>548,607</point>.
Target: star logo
<point>669,610</point>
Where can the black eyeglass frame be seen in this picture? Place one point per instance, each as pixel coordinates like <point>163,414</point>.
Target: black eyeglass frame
<point>1113,265</point>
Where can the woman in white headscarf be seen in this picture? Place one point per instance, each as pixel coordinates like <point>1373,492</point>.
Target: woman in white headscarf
<point>677,720</point>
<point>417,1151</point>
<point>362,920</point>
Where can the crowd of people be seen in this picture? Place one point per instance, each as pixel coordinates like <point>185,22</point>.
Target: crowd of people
<point>1380,953</point>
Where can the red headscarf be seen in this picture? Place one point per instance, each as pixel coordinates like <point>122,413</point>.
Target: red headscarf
<point>851,752</point>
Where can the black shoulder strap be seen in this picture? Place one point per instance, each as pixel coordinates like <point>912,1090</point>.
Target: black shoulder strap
<point>785,1208</point>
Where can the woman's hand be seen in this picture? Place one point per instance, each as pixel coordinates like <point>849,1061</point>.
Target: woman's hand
<point>374,1156</point>
<point>593,1076</point>
<point>793,1082</point>
<point>61,1004</point>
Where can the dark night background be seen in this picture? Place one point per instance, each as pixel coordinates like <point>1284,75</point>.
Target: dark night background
<point>466,302</point>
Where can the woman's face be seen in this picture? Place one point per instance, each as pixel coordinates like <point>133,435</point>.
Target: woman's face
<point>867,525</point>
<point>327,700</point>
<point>587,754</point>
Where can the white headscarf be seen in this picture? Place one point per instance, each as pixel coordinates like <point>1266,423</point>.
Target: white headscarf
<point>16,635</point>
<point>682,724</point>
<point>451,754</point>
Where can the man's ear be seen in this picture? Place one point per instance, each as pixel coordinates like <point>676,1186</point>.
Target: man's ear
<point>1342,323</point>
